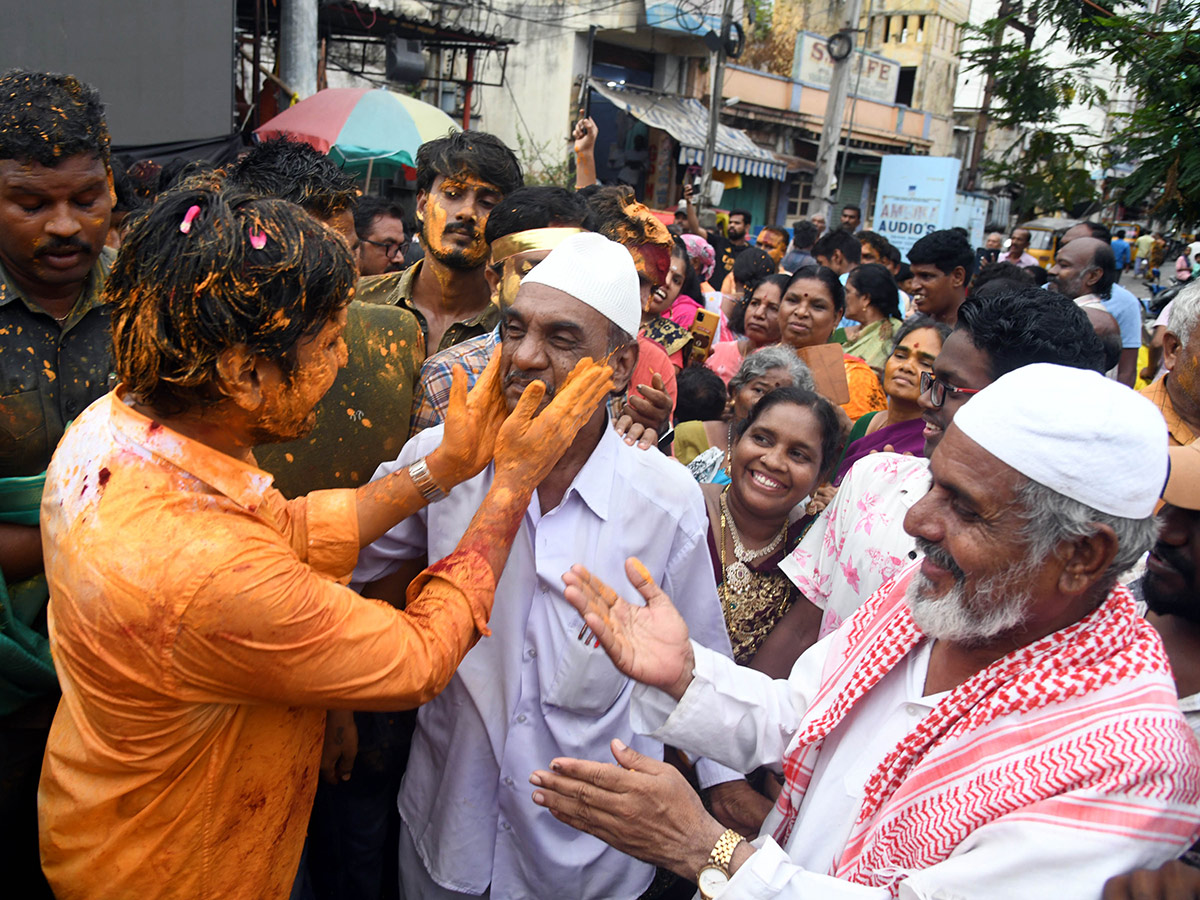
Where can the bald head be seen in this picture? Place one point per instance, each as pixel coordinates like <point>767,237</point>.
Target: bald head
<point>1085,230</point>
<point>1083,266</point>
<point>1108,331</point>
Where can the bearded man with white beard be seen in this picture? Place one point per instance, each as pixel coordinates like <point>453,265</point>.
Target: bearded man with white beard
<point>996,722</point>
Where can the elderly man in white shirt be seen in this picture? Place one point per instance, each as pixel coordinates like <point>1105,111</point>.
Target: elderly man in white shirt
<point>998,722</point>
<point>532,690</point>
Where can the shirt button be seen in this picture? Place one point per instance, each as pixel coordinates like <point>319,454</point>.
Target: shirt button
<point>521,717</point>
<point>506,826</point>
<point>912,709</point>
<point>533,652</point>
<point>508,780</point>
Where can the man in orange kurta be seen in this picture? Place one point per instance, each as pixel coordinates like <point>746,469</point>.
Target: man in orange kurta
<point>196,619</point>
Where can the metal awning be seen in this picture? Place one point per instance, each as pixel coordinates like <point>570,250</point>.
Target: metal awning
<point>686,120</point>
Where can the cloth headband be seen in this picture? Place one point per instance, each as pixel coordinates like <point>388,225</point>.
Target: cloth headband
<point>530,239</point>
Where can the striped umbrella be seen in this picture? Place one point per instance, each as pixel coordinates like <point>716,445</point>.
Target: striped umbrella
<point>371,130</point>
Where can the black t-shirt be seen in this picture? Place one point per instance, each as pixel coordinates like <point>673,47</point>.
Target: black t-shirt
<point>725,253</point>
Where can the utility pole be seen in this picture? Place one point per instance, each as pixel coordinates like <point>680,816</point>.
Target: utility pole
<point>717,68</point>
<point>298,46</point>
<point>857,87</point>
<point>1007,9</point>
<point>835,108</point>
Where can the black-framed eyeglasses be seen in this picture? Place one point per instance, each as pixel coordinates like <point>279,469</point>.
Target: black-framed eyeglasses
<point>938,389</point>
<point>389,248</point>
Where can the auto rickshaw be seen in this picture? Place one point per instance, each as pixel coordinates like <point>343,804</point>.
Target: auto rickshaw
<point>1044,236</point>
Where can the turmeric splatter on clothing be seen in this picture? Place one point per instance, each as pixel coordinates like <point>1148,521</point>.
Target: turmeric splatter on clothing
<point>363,419</point>
<point>396,289</point>
<point>55,376</point>
<point>155,644</point>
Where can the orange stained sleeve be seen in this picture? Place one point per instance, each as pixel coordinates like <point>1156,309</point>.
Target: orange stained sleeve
<point>308,641</point>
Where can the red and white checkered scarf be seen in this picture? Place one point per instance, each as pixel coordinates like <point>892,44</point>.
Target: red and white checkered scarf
<point>957,769</point>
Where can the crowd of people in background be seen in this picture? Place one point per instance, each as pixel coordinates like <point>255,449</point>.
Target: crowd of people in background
<point>346,545</point>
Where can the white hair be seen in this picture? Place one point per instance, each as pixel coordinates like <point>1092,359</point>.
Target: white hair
<point>1001,602</point>
<point>995,607</point>
<point>763,360</point>
<point>1051,518</point>
<point>1185,313</point>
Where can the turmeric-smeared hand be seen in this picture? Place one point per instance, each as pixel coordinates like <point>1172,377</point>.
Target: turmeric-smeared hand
<point>529,443</point>
<point>647,642</point>
<point>472,422</point>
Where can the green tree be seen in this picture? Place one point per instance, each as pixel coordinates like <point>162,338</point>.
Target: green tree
<point>1158,57</point>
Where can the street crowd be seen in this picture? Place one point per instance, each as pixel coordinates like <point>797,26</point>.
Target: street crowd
<point>534,545</point>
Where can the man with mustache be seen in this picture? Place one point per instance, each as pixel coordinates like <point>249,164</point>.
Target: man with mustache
<point>55,205</point>
<point>859,541</point>
<point>533,689</point>
<point>460,178</point>
<point>1170,587</point>
<point>999,721</point>
<point>1120,302</point>
<point>1084,271</point>
<point>1177,392</point>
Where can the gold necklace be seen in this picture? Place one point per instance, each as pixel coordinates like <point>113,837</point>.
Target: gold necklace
<point>737,574</point>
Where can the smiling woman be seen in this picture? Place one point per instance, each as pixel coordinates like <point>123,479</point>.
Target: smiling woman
<point>781,451</point>
<point>899,427</point>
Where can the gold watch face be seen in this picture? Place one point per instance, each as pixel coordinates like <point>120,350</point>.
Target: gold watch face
<point>712,881</point>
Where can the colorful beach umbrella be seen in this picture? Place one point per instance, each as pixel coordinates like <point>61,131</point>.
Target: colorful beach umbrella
<point>371,130</point>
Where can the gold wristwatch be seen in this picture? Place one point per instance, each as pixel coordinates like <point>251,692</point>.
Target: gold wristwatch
<point>713,877</point>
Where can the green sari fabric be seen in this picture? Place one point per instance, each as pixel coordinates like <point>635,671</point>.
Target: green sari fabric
<point>26,670</point>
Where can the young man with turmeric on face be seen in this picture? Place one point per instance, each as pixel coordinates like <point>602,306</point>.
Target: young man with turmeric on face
<point>360,420</point>
<point>460,179</point>
<point>196,618</point>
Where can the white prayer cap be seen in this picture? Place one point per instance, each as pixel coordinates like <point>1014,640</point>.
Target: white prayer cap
<point>1075,432</point>
<point>595,271</point>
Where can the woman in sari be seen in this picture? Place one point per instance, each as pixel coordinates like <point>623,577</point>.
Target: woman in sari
<point>872,300</point>
<point>781,450</point>
<point>899,427</point>
<point>758,319</point>
<point>812,306</point>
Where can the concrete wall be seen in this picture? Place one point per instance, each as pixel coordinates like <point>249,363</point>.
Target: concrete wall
<point>926,35</point>
<point>532,112</point>
<point>535,110</point>
<point>876,122</point>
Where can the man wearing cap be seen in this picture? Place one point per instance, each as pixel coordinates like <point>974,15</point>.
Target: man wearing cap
<point>859,541</point>
<point>534,690</point>
<point>997,722</point>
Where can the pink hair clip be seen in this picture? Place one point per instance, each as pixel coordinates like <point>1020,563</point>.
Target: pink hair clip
<point>186,225</point>
<point>258,239</point>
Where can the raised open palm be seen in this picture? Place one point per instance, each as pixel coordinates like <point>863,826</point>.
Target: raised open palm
<point>648,643</point>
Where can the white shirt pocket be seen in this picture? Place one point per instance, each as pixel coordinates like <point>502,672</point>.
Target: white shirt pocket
<point>584,681</point>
